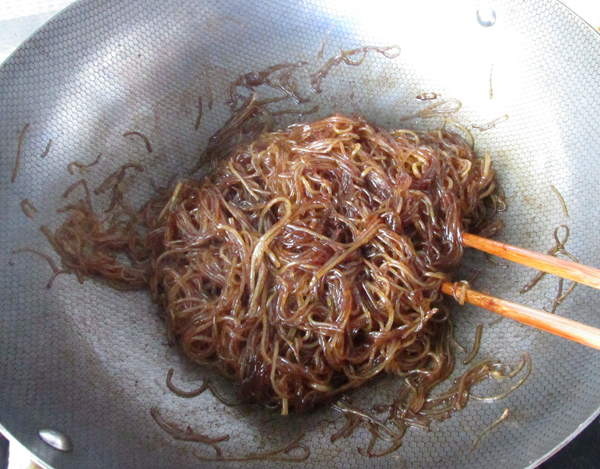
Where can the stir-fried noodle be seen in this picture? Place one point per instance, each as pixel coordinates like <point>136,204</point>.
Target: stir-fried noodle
<point>305,264</point>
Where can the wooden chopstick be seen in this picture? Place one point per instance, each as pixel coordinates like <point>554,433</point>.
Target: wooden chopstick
<point>553,265</point>
<point>558,325</point>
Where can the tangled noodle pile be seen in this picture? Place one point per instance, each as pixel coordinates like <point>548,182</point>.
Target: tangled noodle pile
<point>312,259</point>
<point>305,264</point>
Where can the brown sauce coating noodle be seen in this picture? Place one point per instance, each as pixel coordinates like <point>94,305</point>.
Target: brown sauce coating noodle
<point>309,262</point>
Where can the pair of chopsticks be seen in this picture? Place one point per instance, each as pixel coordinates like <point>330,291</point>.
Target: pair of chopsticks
<point>542,320</point>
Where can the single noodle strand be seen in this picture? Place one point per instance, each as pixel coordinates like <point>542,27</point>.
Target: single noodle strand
<point>19,153</point>
<point>490,427</point>
<point>475,349</point>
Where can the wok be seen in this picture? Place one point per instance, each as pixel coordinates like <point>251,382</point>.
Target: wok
<point>90,362</point>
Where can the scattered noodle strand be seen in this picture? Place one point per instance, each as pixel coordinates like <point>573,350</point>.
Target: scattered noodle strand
<point>47,149</point>
<point>199,117</point>
<point>196,392</point>
<point>28,208</point>
<point>561,200</point>
<point>180,392</point>
<point>46,257</point>
<point>83,168</point>
<point>558,248</point>
<point>54,275</point>
<point>442,108</point>
<point>475,349</point>
<point>560,296</point>
<point>455,342</point>
<point>517,385</point>
<point>278,454</point>
<point>491,124</point>
<point>459,291</point>
<point>75,185</point>
<point>427,96</point>
<point>19,153</point>
<point>143,137</point>
<point>324,41</point>
<point>344,57</point>
<point>490,427</point>
<point>187,434</point>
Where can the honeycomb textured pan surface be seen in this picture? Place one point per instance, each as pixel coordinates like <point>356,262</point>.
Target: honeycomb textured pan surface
<point>91,362</point>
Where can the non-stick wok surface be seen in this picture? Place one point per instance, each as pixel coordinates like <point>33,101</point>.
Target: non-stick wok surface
<point>91,362</point>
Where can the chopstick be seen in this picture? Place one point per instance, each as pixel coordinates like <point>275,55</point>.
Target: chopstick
<point>553,265</point>
<point>560,326</point>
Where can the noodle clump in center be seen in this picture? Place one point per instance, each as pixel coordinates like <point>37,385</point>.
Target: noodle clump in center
<point>311,260</point>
